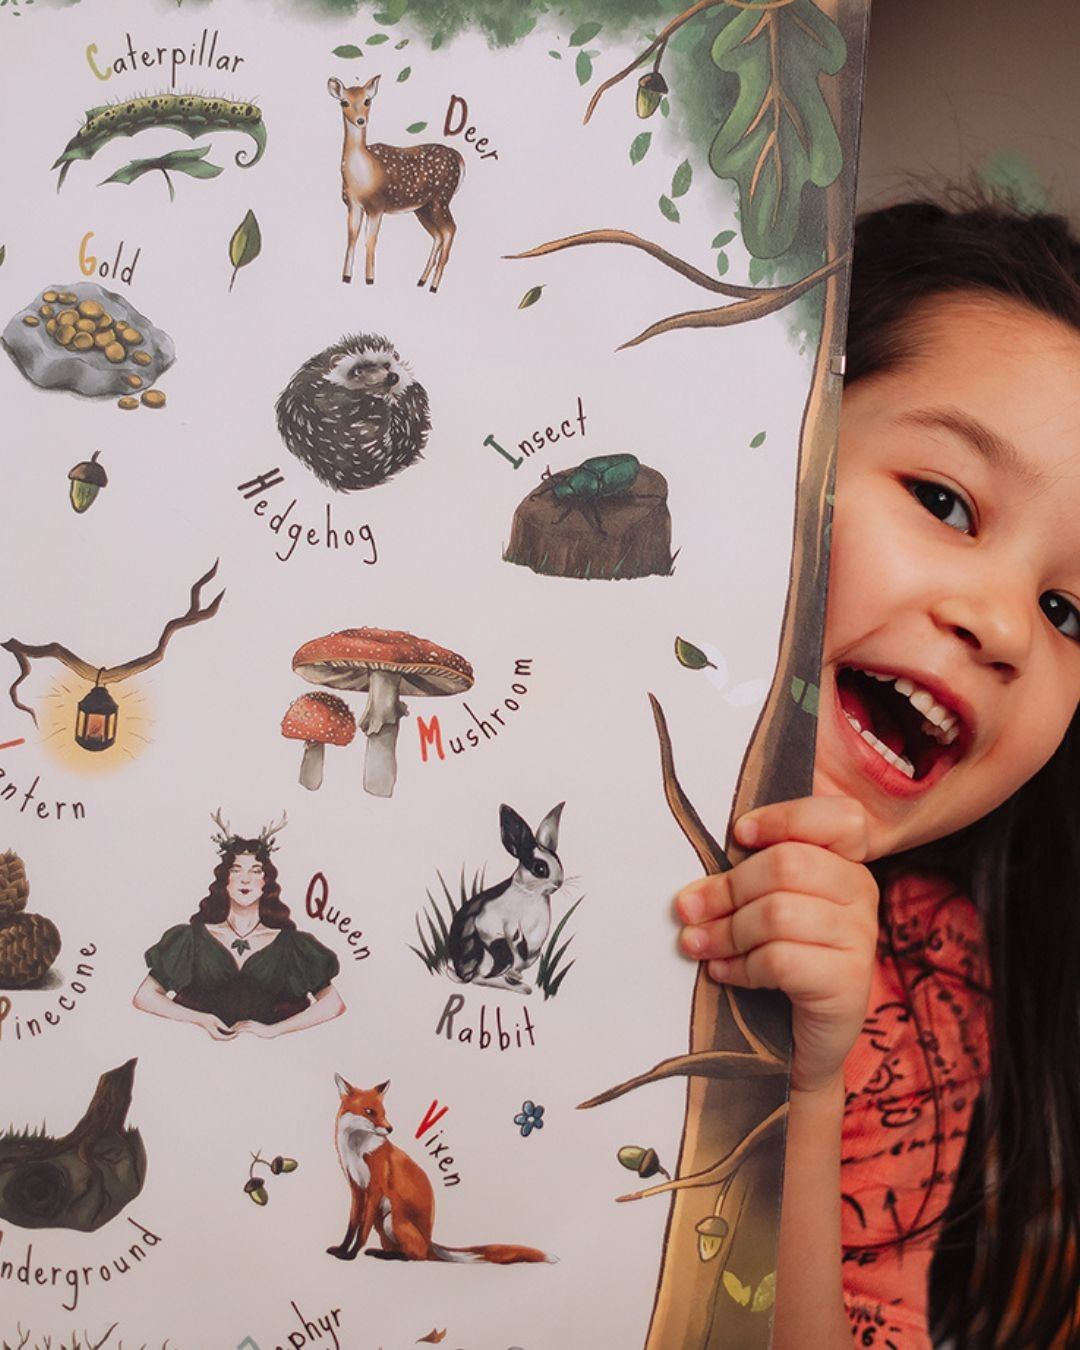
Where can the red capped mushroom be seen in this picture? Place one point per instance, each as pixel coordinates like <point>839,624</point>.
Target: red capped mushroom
<point>388,666</point>
<point>318,720</point>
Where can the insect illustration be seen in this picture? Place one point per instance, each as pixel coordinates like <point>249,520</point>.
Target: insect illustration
<point>583,487</point>
<point>500,932</point>
<point>381,179</point>
<point>192,115</point>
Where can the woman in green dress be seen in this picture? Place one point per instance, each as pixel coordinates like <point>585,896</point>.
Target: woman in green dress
<point>240,963</point>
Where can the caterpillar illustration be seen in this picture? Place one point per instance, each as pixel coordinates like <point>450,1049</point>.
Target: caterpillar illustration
<point>191,114</point>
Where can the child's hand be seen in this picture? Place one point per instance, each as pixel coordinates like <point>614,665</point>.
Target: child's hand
<point>800,914</point>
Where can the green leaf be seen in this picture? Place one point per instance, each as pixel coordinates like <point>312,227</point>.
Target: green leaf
<point>399,45</point>
<point>583,66</point>
<point>665,106</point>
<point>414,128</point>
<point>245,244</point>
<point>556,55</point>
<point>391,11</point>
<point>736,1289</point>
<point>798,688</point>
<point>765,1293</point>
<point>723,262</point>
<point>437,41</point>
<point>3,253</point>
<point>404,74</point>
<point>347,52</point>
<point>759,439</point>
<point>377,38</point>
<point>722,239</point>
<point>779,136</point>
<point>530,297</point>
<point>693,658</point>
<point>669,209</point>
<point>191,162</point>
<point>683,177</point>
<point>639,146</point>
<point>585,33</point>
<point>761,269</point>
<point>810,700</point>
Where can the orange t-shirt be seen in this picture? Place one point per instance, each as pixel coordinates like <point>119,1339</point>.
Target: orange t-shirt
<point>911,1082</point>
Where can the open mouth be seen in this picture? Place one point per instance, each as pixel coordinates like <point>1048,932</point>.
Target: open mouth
<point>903,722</point>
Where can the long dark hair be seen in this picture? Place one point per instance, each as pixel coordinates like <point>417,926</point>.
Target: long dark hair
<point>214,906</point>
<point>1006,1269</point>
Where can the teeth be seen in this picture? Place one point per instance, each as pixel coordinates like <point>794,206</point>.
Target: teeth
<point>897,761</point>
<point>938,722</point>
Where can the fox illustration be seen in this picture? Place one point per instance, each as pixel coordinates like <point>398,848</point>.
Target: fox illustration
<point>392,1193</point>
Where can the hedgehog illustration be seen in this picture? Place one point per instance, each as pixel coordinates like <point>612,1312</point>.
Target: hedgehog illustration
<point>354,414</point>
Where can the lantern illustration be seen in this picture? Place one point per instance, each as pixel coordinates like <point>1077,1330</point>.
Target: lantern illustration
<point>95,721</point>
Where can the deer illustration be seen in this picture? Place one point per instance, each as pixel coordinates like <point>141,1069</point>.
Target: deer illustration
<point>376,179</point>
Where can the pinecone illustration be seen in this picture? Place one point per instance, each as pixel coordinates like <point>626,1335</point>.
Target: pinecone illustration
<point>14,887</point>
<point>29,943</point>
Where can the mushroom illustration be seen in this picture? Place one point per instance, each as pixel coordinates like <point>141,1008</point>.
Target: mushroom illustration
<point>388,666</point>
<point>318,720</point>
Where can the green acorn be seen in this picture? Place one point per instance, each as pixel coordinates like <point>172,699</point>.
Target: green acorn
<point>651,88</point>
<point>281,1164</point>
<point>256,1188</point>
<point>87,480</point>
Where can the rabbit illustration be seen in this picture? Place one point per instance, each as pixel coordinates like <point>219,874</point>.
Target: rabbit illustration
<point>500,932</point>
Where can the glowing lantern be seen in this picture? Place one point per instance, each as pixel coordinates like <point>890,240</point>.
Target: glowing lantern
<point>95,721</point>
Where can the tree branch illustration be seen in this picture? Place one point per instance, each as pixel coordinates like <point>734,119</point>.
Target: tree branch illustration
<point>771,1128</point>
<point>749,302</point>
<point>660,42</point>
<point>25,653</point>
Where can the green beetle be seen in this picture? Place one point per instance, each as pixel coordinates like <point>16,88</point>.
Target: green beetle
<point>582,487</point>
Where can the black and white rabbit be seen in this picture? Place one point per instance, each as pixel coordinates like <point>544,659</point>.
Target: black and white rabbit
<point>500,932</point>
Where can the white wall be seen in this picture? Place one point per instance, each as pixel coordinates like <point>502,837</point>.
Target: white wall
<point>951,82</point>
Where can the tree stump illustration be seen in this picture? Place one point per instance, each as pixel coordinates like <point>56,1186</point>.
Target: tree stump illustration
<point>592,535</point>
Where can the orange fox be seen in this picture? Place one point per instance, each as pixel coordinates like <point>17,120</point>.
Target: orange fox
<point>393,1193</point>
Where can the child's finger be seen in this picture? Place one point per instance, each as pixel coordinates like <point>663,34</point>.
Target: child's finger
<point>807,869</point>
<point>835,823</point>
<point>781,916</point>
<point>779,965</point>
<point>704,900</point>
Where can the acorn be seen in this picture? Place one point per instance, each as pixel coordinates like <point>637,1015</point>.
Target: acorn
<point>651,88</point>
<point>711,1232</point>
<point>643,1161</point>
<point>87,480</point>
<point>281,1164</point>
<point>256,1188</point>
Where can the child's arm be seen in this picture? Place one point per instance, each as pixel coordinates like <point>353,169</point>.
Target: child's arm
<point>800,914</point>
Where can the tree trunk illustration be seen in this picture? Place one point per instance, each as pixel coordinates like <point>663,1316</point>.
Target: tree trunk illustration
<point>716,1284</point>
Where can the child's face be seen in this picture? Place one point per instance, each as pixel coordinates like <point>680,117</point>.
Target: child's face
<point>955,572</point>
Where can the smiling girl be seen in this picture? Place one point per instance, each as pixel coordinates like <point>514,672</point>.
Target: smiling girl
<point>922,909</point>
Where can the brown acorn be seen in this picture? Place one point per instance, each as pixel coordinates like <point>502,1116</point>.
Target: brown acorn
<point>87,480</point>
<point>651,88</point>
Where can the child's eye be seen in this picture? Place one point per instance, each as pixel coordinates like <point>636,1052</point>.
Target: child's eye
<point>948,506</point>
<point>1064,616</point>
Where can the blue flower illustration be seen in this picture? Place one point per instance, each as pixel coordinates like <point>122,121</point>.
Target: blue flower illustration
<point>529,1118</point>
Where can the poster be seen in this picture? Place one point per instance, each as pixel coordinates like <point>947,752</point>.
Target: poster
<point>406,411</point>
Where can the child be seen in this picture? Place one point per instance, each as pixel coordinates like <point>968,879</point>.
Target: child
<point>936,1032</point>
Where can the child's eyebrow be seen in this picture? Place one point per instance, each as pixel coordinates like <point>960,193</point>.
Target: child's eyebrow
<point>998,452</point>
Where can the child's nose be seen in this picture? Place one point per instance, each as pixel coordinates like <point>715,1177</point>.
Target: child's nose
<point>995,625</point>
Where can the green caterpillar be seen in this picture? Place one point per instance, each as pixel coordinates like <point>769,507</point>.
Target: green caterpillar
<point>191,114</point>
